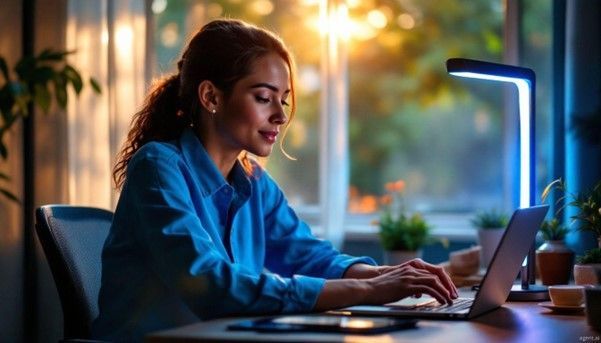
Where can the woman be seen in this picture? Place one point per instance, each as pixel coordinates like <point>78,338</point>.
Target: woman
<point>200,230</point>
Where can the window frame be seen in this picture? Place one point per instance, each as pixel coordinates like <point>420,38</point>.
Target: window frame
<point>334,221</point>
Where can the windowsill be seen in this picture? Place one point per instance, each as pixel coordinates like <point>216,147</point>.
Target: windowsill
<point>451,226</point>
<point>370,233</point>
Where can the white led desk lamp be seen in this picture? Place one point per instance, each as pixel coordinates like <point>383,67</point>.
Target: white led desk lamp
<point>525,80</point>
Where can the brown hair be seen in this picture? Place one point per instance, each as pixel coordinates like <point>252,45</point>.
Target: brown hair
<point>222,52</point>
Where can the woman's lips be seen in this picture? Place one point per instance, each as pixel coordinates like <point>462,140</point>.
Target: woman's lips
<point>270,136</point>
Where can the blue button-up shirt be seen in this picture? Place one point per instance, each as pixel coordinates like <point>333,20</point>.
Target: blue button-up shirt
<point>187,245</point>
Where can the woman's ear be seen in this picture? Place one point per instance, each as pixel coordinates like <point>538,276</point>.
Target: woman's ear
<point>209,96</point>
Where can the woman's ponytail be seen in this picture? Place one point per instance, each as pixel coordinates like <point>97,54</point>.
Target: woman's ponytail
<point>160,119</point>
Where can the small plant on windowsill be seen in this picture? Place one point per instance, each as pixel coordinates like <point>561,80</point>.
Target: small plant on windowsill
<point>490,225</point>
<point>490,220</point>
<point>587,203</point>
<point>402,235</point>
<point>552,230</point>
<point>38,80</point>
<point>591,256</point>
<point>587,269</point>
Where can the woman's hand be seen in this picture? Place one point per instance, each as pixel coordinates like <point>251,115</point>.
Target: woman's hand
<point>371,285</point>
<point>412,278</point>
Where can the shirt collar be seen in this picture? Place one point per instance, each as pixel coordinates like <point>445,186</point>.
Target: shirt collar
<point>206,172</point>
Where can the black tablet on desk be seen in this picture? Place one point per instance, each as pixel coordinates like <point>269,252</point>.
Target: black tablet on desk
<point>325,323</point>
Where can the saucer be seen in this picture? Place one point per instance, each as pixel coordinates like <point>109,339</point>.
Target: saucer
<point>562,309</point>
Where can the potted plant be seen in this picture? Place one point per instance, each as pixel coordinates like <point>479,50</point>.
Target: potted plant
<point>38,80</point>
<point>402,235</point>
<point>491,226</point>
<point>554,259</point>
<point>587,269</point>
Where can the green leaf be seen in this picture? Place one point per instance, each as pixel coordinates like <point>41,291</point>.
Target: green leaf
<point>61,97</point>
<point>60,90</point>
<point>548,189</point>
<point>22,97</point>
<point>9,118</point>
<point>25,67</point>
<point>42,97</point>
<point>73,76</point>
<point>490,219</point>
<point>43,74</point>
<point>9,195</point>
<point>51,55</point>
<point>590,256</point>
<point>6,102</point>
<point>3,150</point>
<point>4,68</point>
<point>95,85</point>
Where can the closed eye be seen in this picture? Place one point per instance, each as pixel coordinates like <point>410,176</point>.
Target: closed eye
<point>284,103</point>
<point>261,99</point>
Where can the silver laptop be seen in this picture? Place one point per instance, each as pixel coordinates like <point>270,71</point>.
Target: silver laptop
<point>496,284</point>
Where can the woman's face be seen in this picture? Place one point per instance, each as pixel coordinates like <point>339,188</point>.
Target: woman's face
<point>253,115</point>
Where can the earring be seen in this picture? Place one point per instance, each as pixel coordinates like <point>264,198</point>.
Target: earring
<point>213,111</point>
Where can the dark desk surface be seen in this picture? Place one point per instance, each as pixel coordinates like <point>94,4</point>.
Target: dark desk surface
<point>514,322</point>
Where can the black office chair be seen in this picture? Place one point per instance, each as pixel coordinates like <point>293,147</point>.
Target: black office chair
<point>72,238</point>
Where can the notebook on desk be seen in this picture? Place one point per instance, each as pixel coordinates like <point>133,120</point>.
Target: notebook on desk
<point>496,284</point>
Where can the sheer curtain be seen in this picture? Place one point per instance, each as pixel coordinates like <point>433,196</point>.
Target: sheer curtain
<point>109,38</point>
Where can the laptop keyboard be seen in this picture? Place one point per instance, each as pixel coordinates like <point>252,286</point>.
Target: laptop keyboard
<point>458,305</point>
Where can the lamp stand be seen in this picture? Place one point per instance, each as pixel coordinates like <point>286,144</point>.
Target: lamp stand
<point>532,293</point>
<point>527,290</point>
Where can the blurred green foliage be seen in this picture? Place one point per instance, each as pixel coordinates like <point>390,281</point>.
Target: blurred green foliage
<point>38,81</point>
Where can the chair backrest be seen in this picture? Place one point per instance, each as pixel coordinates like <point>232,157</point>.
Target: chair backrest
<point>72,238</point>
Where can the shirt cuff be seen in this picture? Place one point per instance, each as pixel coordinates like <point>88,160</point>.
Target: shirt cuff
<point>307,291</point>
<point>296,294</point>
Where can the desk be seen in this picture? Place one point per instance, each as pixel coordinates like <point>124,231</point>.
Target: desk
<point>514,322</point>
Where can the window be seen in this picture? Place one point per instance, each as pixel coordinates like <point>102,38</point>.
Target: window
<point>410,120</point>
<point>401,115</point>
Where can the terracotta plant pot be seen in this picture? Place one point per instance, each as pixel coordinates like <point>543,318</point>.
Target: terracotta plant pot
<point>394,257</point>
<point>554,261</point>
<point>587,274</point>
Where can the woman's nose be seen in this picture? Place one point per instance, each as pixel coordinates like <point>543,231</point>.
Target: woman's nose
<point>279,117</point>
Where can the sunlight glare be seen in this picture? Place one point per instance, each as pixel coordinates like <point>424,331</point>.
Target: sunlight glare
<point>158,6</point>
<point>310,2</point>
<point>214,10</point>
<point>377,19</point>
<point>406,21</point>
<point>262,7</point>
<point>361,30</point>
<point>353,3</point>
<point>169,35</point>
<point>124,37</point>
<point>104,37</point>
<point>341,23</point>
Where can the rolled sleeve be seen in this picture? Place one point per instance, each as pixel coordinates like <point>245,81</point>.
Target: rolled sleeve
<point>292,248</point>
<point>342,262</point>
<point>299,292</point>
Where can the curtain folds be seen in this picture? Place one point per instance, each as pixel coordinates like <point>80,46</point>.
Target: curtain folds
<point>109,38</point>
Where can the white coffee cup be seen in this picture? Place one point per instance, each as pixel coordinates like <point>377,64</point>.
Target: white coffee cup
<point>566,295</point>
